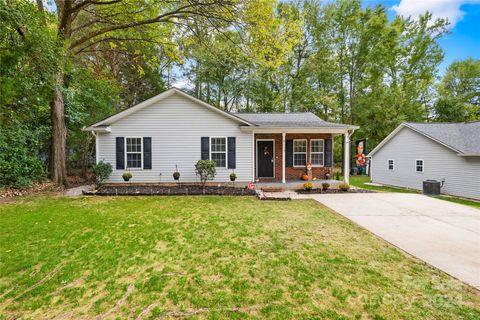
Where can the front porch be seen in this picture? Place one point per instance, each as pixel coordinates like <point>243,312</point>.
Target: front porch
<point>281,158</point>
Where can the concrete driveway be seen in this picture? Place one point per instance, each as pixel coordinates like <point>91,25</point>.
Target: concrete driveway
<point>444,234</point>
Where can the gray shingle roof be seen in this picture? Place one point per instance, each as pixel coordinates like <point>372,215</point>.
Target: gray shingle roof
<point>461,136</point>
<point>288,120</point>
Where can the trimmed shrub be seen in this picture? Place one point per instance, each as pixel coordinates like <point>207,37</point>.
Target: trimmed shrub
<point>344,186</point>
<point>206,170</point>
<point>325,186</point>
<point>101,172</point>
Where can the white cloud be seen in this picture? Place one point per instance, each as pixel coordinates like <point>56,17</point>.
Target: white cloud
<point>449,9</point>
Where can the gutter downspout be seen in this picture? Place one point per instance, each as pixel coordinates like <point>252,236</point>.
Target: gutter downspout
<point>96,147</point>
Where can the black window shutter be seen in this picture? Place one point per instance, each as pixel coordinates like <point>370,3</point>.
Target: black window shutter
<point>231,153</point>
<point>289,153</point>
<point>205,148</point>
<point>120,152</point>
<point>328,155</point>
<point>147,153</point>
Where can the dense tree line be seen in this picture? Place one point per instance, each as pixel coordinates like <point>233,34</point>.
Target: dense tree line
<point>65,67</point>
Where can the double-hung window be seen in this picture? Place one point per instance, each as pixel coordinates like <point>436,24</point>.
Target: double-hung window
<point>391,165</point>
<point>419,166</point>
<point>316,152</point>
<point>218,151</point>
<point>134,152</point>
<point>299,152</point>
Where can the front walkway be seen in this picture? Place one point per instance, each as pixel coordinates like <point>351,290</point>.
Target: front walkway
<point>443,234</point>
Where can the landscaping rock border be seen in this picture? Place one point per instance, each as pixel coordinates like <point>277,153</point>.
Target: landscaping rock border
<point>160,190</point>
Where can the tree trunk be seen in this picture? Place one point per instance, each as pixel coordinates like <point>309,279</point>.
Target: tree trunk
<point>59,134</point>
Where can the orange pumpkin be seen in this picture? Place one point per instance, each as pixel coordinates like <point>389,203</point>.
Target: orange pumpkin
<point>304,177</point>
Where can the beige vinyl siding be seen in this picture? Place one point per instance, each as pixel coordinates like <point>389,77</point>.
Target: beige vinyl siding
<point>462,174</point>
<point>176,125</point>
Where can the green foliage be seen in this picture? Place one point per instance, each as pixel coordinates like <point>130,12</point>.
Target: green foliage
<point>206,170</point>
<point>459,92</point>
<point>127,176</point>
<point>19,161</point>
<point>101,172</point>
<point>325,186</point>
<point>233,176</point>
<point>337,175</point>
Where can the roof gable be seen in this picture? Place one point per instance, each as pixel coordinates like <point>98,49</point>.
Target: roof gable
<point>120,115</point>
<point>460,137</point>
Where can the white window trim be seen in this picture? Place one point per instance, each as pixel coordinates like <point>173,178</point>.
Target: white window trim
<point>393,165</point>
<point>226,150</point>
<point>423,166</point>
<point>126,153</point>
<point>306,153</point>
<point>322,153</point>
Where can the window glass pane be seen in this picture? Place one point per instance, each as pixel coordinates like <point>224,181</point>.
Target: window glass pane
<point>316,145</point>
<point>134,160</point>
<point>134,145</point>
<point>219,144</point>
<point>390,164</point>
<point>317,158</point>
<point>299,146</point>
<point>220,159</point>
<point>299,159</point>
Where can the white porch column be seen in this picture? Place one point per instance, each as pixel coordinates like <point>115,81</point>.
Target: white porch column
<point>283,158</point>
<point>253,156</point>
<point>346,159</point>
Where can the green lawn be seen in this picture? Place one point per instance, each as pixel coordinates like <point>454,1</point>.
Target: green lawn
<point>359,182</point>
<point>209,257</point>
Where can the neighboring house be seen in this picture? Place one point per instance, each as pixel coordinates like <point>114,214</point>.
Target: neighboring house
<point>415,152</point>
<point>174,129</point>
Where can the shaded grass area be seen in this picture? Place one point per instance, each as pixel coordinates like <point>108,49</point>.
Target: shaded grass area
<point>359,182</point>
<point>209,257</point>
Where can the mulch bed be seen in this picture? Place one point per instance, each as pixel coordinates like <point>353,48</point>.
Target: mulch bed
<point>319,190</point>
<point>159,190</point>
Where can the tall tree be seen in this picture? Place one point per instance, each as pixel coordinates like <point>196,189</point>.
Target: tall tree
<point>113,20</point>
<point>459,92</point>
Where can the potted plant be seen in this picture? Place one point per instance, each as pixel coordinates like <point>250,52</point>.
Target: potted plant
<point>308,186</point>
<point>233,176</point>
<point>127,176</point>
<point>176,174</point>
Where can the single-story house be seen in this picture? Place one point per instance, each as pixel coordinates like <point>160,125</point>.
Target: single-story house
<point>175,130</point>
<point>414,152</point>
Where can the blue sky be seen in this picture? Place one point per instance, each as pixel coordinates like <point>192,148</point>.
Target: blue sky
<point>463,41</point>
